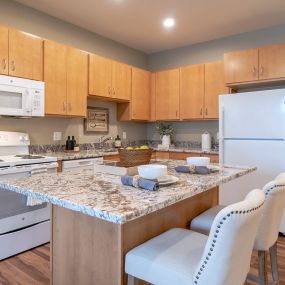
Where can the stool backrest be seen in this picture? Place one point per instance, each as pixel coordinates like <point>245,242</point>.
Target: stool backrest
<point>267,233</point>
<point>226,258</point>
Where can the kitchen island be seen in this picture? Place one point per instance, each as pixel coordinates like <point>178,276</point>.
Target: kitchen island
<point>96,220</point>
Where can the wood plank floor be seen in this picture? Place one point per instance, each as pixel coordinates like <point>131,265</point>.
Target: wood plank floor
<point>32,267</point>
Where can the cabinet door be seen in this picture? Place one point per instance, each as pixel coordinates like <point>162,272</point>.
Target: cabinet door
<point>4,50</point>
<point>272,62</point>
<point>241,66</point>
<point>152,98</point>
<point>25,55</point>
<point>167,94</point>
<point>121,81</point>
<point>192,91</point>
<point>214,86</point>
<point>55,78</point>
<point>77,82</point>
<point>140,94</point>
<point>100,76</point>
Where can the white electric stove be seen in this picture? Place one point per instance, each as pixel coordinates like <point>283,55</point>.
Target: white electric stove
<point>22,227</point>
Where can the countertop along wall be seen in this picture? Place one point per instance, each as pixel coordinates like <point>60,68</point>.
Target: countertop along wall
<point>207,52</point>
<point>41,130</point>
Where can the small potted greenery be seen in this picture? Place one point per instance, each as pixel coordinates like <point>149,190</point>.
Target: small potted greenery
<point>166,132</point>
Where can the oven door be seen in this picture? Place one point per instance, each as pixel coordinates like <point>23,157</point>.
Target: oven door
<point>14,212</point>
<point>15,100</point>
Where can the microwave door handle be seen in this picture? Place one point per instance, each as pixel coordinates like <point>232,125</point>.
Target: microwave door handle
<point>27,101</point>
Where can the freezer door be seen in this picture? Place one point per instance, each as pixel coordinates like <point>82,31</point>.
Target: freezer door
<point>267,156</point>
<point>253,115</point>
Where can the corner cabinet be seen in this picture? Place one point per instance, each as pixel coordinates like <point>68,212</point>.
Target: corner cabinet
<point>109,79</point>
<point>167,92</point>
<point>21,54</point>
<point>255,66</point>
<point>66,80</point>
<point>139,106</point>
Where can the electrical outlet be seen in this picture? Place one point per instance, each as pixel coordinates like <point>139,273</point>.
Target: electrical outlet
<point>124,135</point>
<point>57,136</point>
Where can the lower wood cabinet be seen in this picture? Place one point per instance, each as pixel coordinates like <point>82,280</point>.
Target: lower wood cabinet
<point>66,80</point>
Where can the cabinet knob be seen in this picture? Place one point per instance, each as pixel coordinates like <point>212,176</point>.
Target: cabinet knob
<point>254,70</point>
<point>261,70</point>
<point>206,111</point>
<point>114,92</point>
<point>109,90</point>
<point>69,106</point>
<point>201,111</point>
<point>176,114</point>
<point>13,65</point>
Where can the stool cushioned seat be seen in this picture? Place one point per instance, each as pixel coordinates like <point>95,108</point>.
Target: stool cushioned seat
<point>204,221</point>
<point>156,260</point>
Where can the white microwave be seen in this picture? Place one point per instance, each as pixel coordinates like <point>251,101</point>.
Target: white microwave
<point>21,97</point>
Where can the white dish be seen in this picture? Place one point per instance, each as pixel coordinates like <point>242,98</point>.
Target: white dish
<point>173,180</point>
<point>165,178</point>
<point>198,161</point>
<point>152,171</point>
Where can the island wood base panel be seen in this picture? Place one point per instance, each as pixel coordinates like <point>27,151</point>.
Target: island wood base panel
<point>88,250</point>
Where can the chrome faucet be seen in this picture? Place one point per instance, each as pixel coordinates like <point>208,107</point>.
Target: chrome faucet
<point>103,140</point>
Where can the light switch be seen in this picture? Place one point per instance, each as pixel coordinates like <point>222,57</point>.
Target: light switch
<point>124,135</point>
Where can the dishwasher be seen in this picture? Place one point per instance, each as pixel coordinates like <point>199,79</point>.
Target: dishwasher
<point>84,163</point>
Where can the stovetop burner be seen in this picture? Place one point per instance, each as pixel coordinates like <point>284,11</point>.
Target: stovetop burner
<point>29,156</point>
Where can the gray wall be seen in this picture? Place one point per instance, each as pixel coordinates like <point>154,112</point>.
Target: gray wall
<point>214,50</point>
<point>41,129</point>
<point>32,21</point>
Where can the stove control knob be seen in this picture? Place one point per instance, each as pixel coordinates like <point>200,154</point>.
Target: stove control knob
<point>26,138</point>
<point>21,138</point>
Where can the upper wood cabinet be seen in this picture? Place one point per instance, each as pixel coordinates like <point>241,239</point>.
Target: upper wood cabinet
<point>77,82</point>
<point>109,78</point>
<point>167,94</point>
<point>152,98</point>
<point>100,76</point>
<point>4,50</point>
<point>255,65</point>
<point>65,75</point>
<point>241,66</point>
<point>21,54</point>
<point>139,106</point>
<point>214,86</point>
<point>192,80</point>
<point>272,62</point>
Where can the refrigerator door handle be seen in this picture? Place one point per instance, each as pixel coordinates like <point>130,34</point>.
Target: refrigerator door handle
<point>221,133</point>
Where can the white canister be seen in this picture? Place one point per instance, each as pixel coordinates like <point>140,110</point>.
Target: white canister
<point>165,140</point>
<point>206,141</point>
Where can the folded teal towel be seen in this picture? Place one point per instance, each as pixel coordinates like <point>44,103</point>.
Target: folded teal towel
<point>193,169</point>
<point>138,182</point>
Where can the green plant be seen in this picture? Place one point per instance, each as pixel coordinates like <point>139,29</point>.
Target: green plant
<point>163,129</point>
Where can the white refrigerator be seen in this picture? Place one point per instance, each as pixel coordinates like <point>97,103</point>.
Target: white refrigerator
<point>252,133</point>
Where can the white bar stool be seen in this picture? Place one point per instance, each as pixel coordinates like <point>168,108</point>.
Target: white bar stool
<point>267,234</point>
<point>185,257</point>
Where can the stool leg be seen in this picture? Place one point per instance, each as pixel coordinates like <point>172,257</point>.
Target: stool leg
<point>262,268</point>
<point>274,264</point>
<point>132,280</point>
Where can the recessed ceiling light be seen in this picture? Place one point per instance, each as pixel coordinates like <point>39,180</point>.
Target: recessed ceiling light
<point>168,23</point>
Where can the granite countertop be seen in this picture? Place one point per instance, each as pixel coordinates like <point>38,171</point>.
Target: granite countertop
<point>193,150</point>
<point>103,196</point>
<point>79,155</point>
<point>99,153</point>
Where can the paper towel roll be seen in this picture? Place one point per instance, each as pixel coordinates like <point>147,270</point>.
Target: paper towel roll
<point>206,141</point>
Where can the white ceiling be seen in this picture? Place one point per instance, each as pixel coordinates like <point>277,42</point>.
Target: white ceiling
<point>137,23</point>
